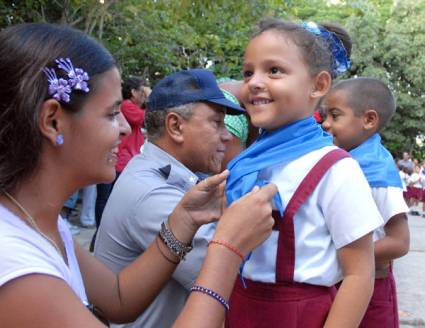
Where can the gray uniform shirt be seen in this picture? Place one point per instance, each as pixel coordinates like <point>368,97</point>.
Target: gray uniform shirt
<point>143,197</point>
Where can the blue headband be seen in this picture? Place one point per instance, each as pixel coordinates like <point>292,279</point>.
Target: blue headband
<point>340,61</point>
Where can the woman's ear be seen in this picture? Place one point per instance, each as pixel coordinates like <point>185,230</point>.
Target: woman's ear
<point>370,120</point>
<point>50,121</point>
<point>322,84</point>
<point>174,126</point>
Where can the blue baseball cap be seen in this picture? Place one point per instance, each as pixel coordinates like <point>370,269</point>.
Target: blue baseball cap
<point>184,87</point>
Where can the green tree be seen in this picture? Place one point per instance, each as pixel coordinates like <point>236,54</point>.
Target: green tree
<point>152,38</point>
<point>404,59</point>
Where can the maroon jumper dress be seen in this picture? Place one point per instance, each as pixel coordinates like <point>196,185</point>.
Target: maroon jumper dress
<point>285,303</point>
<point>382,311</point>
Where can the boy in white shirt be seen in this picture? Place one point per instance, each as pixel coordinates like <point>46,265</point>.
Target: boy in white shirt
<point>356,110</point>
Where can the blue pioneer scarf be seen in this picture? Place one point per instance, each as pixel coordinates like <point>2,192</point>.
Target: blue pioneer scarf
<point>271,148</point>
<point>377,163</point>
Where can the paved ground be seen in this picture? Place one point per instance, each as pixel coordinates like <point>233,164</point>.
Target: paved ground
<point>85,236</point>
<point>409,272</point>
<point>410,276</point>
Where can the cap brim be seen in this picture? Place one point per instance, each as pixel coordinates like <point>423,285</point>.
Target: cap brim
<point>232,108</point>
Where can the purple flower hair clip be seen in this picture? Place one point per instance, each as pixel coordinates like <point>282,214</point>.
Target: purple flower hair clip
<point>77,77</point>
<point>60,89</point>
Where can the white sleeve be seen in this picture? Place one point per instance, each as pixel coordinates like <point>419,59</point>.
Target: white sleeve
<point>347,204</point>
<point>389,201</point>
<point>20,257</point>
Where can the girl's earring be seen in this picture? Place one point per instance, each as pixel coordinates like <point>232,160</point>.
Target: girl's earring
<point>59,139</point>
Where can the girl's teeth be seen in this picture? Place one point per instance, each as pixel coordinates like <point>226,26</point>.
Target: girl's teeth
<point>260,102</point>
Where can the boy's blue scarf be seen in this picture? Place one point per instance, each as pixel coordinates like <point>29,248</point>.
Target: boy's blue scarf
<point>272,148</point>
<point>377,163</point>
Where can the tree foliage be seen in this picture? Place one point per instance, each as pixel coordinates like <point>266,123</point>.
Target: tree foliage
<point>152,38</point>
<point>404,59</point>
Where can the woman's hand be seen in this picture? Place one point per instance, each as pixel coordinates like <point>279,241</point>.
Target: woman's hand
<point>245,224</point>
<point>204,203</point>
<point>248,221</point>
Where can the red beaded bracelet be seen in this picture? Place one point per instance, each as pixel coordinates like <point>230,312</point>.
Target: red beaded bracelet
<point>228,246</point>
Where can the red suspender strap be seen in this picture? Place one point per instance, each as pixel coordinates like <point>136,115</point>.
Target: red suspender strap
<point>285,259</point>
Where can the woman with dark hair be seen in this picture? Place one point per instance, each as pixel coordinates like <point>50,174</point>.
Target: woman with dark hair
<point>60,125</point>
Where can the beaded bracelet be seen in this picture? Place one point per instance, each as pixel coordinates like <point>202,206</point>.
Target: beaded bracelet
<point>174,245</point>
<point>213,294</point>
<point>228,246</point>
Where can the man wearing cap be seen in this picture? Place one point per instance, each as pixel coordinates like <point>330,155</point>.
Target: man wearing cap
<point>187,138</point>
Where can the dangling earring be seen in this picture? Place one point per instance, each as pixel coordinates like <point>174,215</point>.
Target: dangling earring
<point>59,139</point>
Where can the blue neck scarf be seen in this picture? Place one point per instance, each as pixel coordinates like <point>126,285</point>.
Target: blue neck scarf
<point>271,148</point>
<point>377,163</point>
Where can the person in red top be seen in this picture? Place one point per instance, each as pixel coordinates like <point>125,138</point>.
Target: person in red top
<point>134,96</point>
